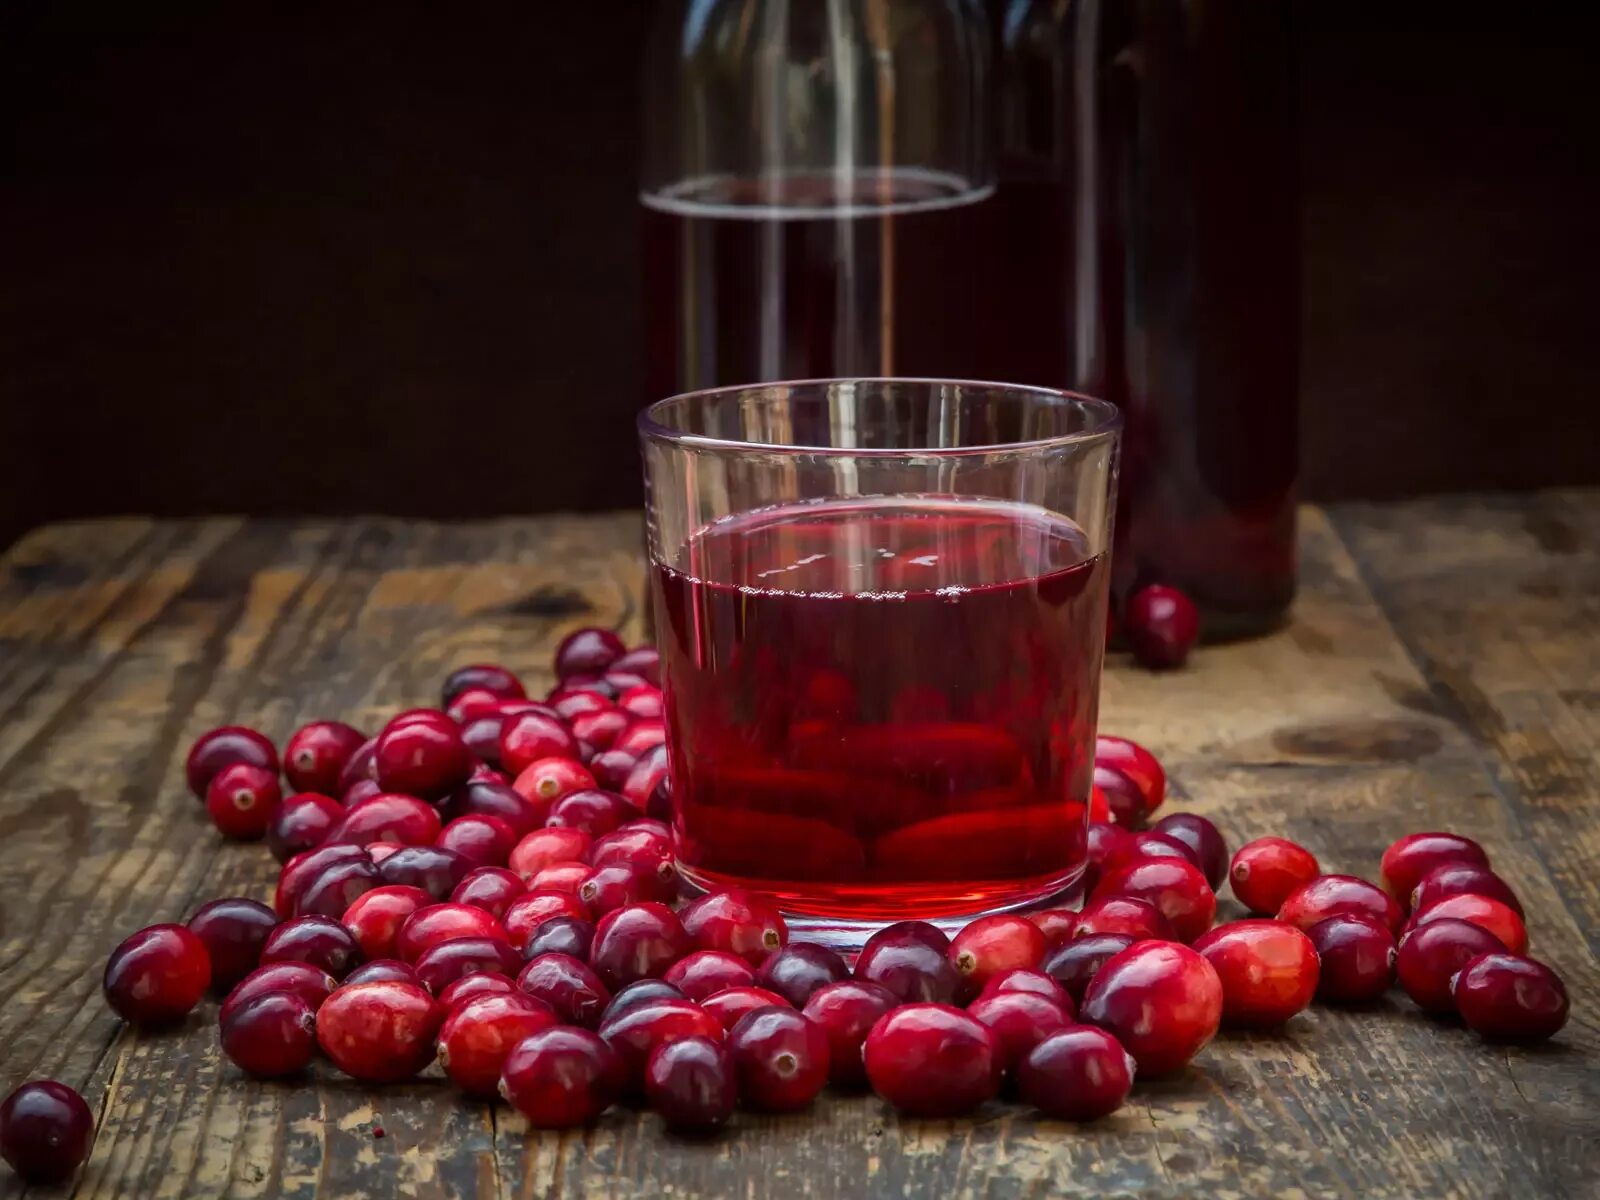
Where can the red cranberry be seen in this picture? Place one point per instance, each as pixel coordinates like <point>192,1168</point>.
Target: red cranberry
<point>635,1033</point>
<point>442,964</point>
<point>470,987</point>
<point>571,704</point>
<point>619,884</point>
<point>799,969</point>
<point>1106,844</point>
<point>1431,954</point>
<point>1327,895</point>
<point>639,993</point>
<point>561,1078</point>
<point>471,703</point>
<point>704,973</point>
<point>611,768</point>
<point>543,847</point>
<point>436,923</point>
<point>643,661</point>
<point>272,1035</point>
<point>417,716</point>
<point>388,817</point>
<point>489,888</point>
<point>233,930</point>
<point>46,1131</point>
<point>568,986</point>
<point>481,736</point>
<point>1357,956</point>
<point>529,737</point>
<point>642,702</point>
<point>733,921</point>
<point>484,841</point>
<point>601,729</point>
<point>361,789</point>
<point>648,786</point>
<point>845,1012</point>
<point>1054,923</point>
<point>530,911</point>
<point>1074,964</point>
<point>301,823</point>
<point>690,1084</point>
<point>994,944</point>
<point>910,958</point>
<point>1264,873</point>
<point>1135,770</point>
<point>1161,625</point>
<point>591,810</point>
<point>311,984</point>
<point>320,941</point>
<point>1497,918</point>
<point>641,847</point>
<point>1269,970</point>
<point>1037,983</point>
<point>477,1037</point>
<point>379,1032</point>
<point>1210,850</point>
<point>1454,879</point>
<point>624,681</point>
<point>490,798</point>
<point>433,870</point>
<point>642,736</point>
<point>422,759</point>
<point>333,891</point>
<point>1147,843</point>
<point>1162,1001</point>
<point>1509,997</point>
<point>316,755</point>
<point>780,1058</point>
<point>931,1060</point>
<point>1124,803</point>
<point>588,651</point>
<point>383,970</point>
<point>242,799</point>
<point>1079,1074</point>
<point>1175,886</point>
<point>490,677</point>
<point>378,851</point>
<point>223,748</point>
<point>637,942</point>
<point>301,871</point>
<point>547,780</point>
<point>157,974</point>
<point>374,919</point>
<point>562,877</point>
<point>561,935</point>
<point>1123,914</point>
<point>359,766</point>
<point>1020,1020</point>
<point>1408,859</point>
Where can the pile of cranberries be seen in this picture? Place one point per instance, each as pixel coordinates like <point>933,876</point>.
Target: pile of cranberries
<point>489,886</point>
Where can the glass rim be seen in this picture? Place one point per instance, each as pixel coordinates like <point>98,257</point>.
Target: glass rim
<point>1107,419</point>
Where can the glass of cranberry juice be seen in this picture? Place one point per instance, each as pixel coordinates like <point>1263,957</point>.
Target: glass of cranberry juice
<point>881,607</point>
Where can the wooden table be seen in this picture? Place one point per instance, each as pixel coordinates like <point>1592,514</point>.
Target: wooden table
<point>1442,671</point>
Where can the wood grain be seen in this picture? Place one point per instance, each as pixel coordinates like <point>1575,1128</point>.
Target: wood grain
<point>1439,672</point>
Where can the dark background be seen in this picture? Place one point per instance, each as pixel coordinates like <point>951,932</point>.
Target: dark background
<point>283,258</point>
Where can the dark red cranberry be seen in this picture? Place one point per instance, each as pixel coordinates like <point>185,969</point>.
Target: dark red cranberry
<point>490,677</point>
<point>333,891</point>
<point>223,748</point>
<point>588,651</point>
<point>358,767</point>
<point>379,1032</point>
<point>563,877</point>
<point>272,1035</point>
<point>1327,895</point>
<point>562,1077</point>
<point>704,973</point>
<point>311,984</point>
<point>561,935</point>
<point>470,704</point>
<point>637,845</point>
<point>484,841</point>
<point>643,661</point>
<point>1161,625</point>
<point>429,926</point>
<point>1123,801</point>
<point>375,917</point>
<point>1497,918</point>
<point>568,985</point>
<point>1408,859</point>
<point>1506,996</point>
<point>601,729</point>
<point>611,768</point>
<point>1265,872</point>
<point>490,798</point>
<point>157,974</point>
<point>489,888</point>
<point>320,941</point>
<point>780,1058</point>
<point>931,1060</point>
<point>433,870</point>
<point>1162,1001</point>
<point>361,789</point>
<point>1147,843</point>
<point>1055,923</point>
<point>388,817</point>
<point>910,958</point>
<point>547,780</point>
<point>1268,970</point>
<point>690,1085</point>
<point>529,912</point>
<point>543,847</point>
<point>735,922</point>
<point>1133,773</point>
<point>1431,954</point>
<point>1175,886</point>
<point>1122,914</point>
<point>619,884</point>
<point>316,754</point>
<point>1079,1074</point>
<point>383,970</point>
<point>470,987</point>
<point>1020,1020</point>
<point>1357,956</point>
<point>422,759</point>
<point>1458,878</point>
<point>1023,979</point>
<point>443,963</point>
<point>234,930</point>
<point>846,1012</point>
<point>638,1031</point>
<point>991,945</point>
<point>1106,843</point>
<point>242,799</point>
<point>477,1037</point>
<point>1205,840</point>
<point>799,969</point>
<point>301,871</point>
<point>529,737</point>
<point>730,1004</point>
<point>637,942</point>
<point>481,736</point>
<point>301,823</point>
<point>46,1131</point>
<point>640,993</point>
<point>591,810</point>
<point>649,785</point>
<point>1074,964</point>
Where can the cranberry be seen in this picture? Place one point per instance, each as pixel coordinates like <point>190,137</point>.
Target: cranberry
<point>562,1077</point>
<point>1123,914</point>
<point>637,942</point>
<point>542,847</point>
<point>547,780</point>
<point>561,935</point>
<point>316,755</point>
<point>422,758</point>
<point>730,1004</point>
<point>780,1058</point>
<point>591,810</point>
<point>1431,954</point>
<point>704,973</point>
<point>333,891</point>
<point>568,986</point>
<point>1074,964</point>
<point>435,871</point>
<point>481,735</point>
<point>529,737</point>
<point>690,1083</point>
<point>994,944</point>
<point>427,927</point>
<point>157,974</point>
<point>1176,887</point>
<point>374,919</point>
<point>1510,997</point>
<point>731,920</point>
<point>490,798</point>
<point>470,987</point>
<point>482,773</point>
<point>383,970</point>
<point>601,729</point>
<point>1020,1021</point>
<point>1264,873</point>
<point>1408,859</point>
<point>1204,839</point>
<point>1124,803</point>
<point>530,911</point>
<point>635,844</point>
<point>388,817</point>
<point>911,959</point>
<point>643,702</point>
<point>562,877</point>
<point>415,716</point>
<point>617,885</point>
<point>489,888</point>
<point>1497,918</point>
<point>1133,772</point>
<point>477,1037</point>
<point>311,984</point>
<point>223,748</point>
<point>635,1033</point>
<point>46,1131</point>
<point>1454,879</point>
<point>1327,895</point>
<point>571,704</point>
<point>931,1060</point>
<point>490,677</point>
<point>233,930</point>
<point>1055,923</point>
<point>442,964</point>
<point>1357,958</point>
<point>242,799</point>
<point>379,1032</point>
<point>378,851</point>
<point>1269,970</point>
<point>643,661</point>
<point>471,703</point>
<point>642,736</point>
<point>799,969</point>
<point>484,841</point>
<point>1161,625</point>
<point>1162,1001</point>
<point>1037,983</point>
<point>588,651</point>
<point>648,785</point>
<point>272,1035</point>
<point>611,768</point>
<point>623,681</point>
<point>301,871</point>
<point>302,822</point>
<point>1106,844</point>
<point>1079,1074</point>
<point>845,1012</point>
<point>320,941</point>
<point>639,993</point>
<point>1147,843</point>
<point>361,789</point>
<point>358,767</point>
